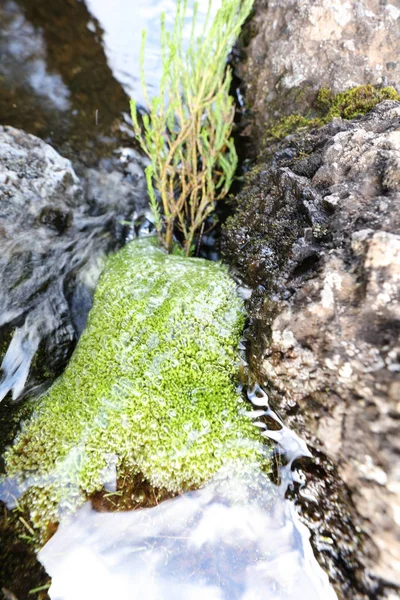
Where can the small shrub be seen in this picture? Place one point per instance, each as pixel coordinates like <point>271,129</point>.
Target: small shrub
<point>186,131</point>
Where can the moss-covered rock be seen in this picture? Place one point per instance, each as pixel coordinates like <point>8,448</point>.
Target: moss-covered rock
<point>347,105</point>
<point>149,389</point>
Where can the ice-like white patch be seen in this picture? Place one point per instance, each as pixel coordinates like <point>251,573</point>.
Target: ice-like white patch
<point>346,371</point>
<point>349,45</point>
<point>371,472</point>
<point>342,13</point>
<point>393,11</point>
<point>333,281</point>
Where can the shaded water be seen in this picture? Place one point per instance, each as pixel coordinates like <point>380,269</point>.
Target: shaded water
<point>66,72</point>
<point>54,74</point>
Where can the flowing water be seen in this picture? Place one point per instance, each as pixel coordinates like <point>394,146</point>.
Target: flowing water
<point>66,73</point>
<point>236,538</point>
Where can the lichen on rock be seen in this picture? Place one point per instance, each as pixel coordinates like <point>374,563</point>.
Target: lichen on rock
<point>149,389</point>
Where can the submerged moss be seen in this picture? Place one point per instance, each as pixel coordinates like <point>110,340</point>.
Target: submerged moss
<point>150,387</point>
<point>347,105</point>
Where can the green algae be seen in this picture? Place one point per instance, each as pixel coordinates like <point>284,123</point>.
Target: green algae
<point>150,388</point>
<point>346,105</point>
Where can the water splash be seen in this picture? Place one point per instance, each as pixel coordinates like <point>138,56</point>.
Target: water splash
<point>290,445</point>
<point>17,361</point>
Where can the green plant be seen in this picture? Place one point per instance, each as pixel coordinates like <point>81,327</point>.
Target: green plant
<point>353,102</point>
<point>186,131</point>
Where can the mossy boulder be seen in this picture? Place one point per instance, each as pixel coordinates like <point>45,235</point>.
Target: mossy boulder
<point>150,388</point>
<point>288,50</point>
<point>347,105</point>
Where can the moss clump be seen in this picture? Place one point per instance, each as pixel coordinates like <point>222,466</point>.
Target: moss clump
<point>150,387</point>
<point>287,125</point>
<point>347,105</point>
<point>353,102</point>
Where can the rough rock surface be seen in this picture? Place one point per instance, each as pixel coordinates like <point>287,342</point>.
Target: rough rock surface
<point>53,232</point>
<point>291,48</point>
<point>317,235</point>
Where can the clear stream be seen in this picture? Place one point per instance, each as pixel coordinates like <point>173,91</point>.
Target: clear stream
<point>67,70</point>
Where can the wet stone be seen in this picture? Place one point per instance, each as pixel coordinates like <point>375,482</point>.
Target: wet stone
<point>316,234</point>
<point>55,230</point>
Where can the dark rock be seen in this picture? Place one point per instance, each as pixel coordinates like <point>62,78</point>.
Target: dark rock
<point>54,232</point>
<point>316,234</point>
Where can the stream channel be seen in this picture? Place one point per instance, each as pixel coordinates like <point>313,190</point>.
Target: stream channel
<point>67,70</point>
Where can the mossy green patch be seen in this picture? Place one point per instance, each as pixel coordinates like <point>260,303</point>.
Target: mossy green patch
<point>150,387</point>
<point>347,105</point>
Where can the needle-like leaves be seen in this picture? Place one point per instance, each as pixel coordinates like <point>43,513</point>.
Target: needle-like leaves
<point>186,131</point>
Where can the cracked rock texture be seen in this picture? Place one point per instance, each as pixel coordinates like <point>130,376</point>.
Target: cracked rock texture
<point>291,48</point>
<point>316,233</point>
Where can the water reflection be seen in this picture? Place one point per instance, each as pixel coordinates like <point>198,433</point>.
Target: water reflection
<point>68,68</point>
<point>123,22</point>
<point>234,539</point>
<point>54,78</point>
<point>24,59</point>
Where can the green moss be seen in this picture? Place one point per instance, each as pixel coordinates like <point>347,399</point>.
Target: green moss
<point>347,105</point>
<point>356,101</point>
<point>150,387</point>
<point>290,124</point>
